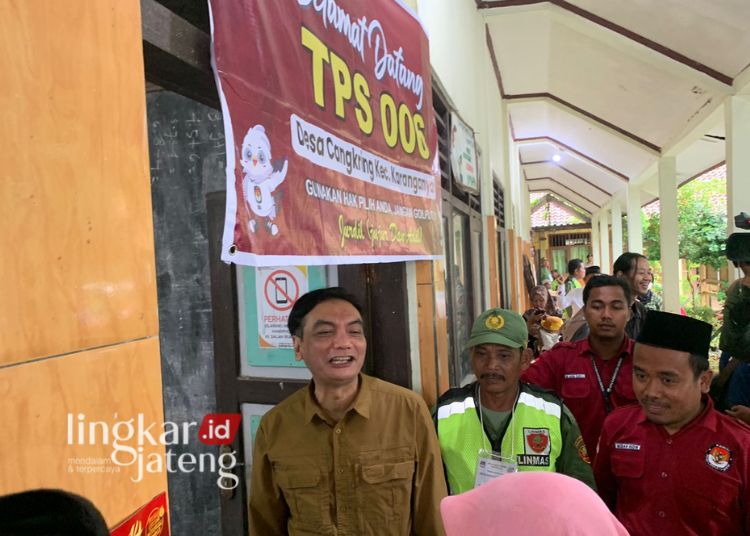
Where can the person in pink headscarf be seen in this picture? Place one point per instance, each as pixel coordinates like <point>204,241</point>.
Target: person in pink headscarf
<point>530,503</point>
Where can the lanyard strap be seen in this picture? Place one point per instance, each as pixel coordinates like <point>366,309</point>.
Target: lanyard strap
<point>502,436</point>
<point>608,390</point>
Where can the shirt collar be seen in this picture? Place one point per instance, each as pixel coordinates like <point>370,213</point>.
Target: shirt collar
<point>626,349</point>
<point>361,402</point>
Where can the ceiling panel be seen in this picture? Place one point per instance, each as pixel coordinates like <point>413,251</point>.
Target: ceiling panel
<point>714,33</point>
<point>611,79</point>
<point>585,187</point>
<point>576,164</point>
<point>539,119</point>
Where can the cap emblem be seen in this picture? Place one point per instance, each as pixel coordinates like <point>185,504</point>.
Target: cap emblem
<point>494,322</point>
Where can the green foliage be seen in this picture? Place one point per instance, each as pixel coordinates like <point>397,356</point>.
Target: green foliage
<point>651,239</point>
<point>702,223</point>
<point>701,313</point>
<point>707,315</point>
<point>722,294</point>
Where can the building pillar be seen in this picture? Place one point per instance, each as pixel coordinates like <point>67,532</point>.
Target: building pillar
<point>669,234</point>
<point>616,228</point>
<point>737,121</point>
<point>604,241</point>
<point>635,227</point>
<point>595,239</point>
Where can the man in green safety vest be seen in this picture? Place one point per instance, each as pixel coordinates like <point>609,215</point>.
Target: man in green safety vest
<point>498,425</point>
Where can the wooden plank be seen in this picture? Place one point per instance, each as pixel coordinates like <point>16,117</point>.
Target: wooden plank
<point>77,242</point>
<point>226,353</point>
<point>107,385</point>
<point>424,272</point>
<point>427,355</point>
<point>441,326</point>
<point>390,327</point>
<point>513,269</point>
<point>494,279</point>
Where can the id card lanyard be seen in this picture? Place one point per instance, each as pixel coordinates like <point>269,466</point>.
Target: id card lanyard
<point>491,464</point>
<point>606,392</point>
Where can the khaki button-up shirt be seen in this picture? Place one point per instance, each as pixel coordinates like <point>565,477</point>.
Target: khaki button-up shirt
<point>377,471</point>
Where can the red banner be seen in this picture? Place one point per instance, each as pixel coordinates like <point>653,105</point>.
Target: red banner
<point>331,139</point>
<point>151,519</point>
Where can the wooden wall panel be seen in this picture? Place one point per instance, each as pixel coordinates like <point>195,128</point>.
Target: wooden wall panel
<point>522,292</point>
<point>426,321</point>
<point>77,241</point>
<point>122,380</point>
<point>528,251</point>
<point>441,326</point>
<point>513,272</point>
<point>494,274</point>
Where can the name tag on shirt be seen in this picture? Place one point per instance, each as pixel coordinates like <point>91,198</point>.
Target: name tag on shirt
<point>575,376</point>
<point>627,446</point>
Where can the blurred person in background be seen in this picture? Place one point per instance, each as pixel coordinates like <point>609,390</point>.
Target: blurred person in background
<point>542,306</point>
<point>634,268</point>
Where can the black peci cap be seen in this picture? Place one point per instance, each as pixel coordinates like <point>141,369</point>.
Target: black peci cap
<point>676,332</point>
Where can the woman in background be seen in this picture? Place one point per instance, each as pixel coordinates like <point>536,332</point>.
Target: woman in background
<point>541,307</point>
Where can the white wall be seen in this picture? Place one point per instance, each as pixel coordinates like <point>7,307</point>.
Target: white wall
<point>461,62</point>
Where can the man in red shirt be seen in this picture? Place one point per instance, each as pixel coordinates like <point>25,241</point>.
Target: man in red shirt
<point>593,375</point>
<point>673,464</point>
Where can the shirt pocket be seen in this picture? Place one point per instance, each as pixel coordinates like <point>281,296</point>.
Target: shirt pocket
<point>575,388</point>
<point>628,466</point>
<point>627,463</point>
<point>384,491</point>
<point>306,495</point>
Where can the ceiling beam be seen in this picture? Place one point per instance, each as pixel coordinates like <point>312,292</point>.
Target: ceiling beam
<point>564,187</point>
<point>742,82</point>
<point>583,156</point>
<point>703,122</point>
<point>566,170</point>
<point>573,11</point>
<point>493,59</point>
<point>562,197</point>
<point>554,196</point>
<point>588,117</point>
<point>577,176</point>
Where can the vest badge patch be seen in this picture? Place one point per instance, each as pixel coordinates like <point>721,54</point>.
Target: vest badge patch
<point>719,457</point>
<point>583,453</point>
<point>536,447</point>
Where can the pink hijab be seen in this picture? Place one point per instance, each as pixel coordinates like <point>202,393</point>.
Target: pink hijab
<point>529,503</point>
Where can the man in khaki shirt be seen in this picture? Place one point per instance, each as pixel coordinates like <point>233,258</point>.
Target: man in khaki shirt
<point>349,454</point>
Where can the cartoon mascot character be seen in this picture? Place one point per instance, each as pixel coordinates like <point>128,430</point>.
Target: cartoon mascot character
<point>261,177</point>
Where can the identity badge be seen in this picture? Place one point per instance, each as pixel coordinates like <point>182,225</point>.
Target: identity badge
<point>492,466</point>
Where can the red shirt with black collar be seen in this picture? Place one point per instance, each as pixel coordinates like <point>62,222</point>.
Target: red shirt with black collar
<point>568,370</point>
<point>694,482</point>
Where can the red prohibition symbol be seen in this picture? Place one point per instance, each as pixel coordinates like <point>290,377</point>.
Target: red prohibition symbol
<point>281,290</point>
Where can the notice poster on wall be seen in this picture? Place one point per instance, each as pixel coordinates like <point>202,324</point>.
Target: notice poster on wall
<point>277,289</point>
<point>331,138</point>
<point>463,154</point>
<point>266,296</point>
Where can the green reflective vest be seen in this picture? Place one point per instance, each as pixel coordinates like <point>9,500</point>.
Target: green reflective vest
<point>533,438</point>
